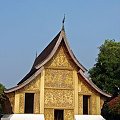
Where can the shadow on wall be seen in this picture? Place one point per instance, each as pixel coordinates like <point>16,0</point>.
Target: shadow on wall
<point>6,106</point>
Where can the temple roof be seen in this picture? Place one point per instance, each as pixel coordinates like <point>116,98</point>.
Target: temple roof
<point>46,53</point>
<point>45,56</point>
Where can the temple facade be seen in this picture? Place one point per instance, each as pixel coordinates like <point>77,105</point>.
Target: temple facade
<point>56,86</point>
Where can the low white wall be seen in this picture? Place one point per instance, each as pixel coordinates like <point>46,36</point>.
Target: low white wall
<point>23,117</point>
<point>89,117</point>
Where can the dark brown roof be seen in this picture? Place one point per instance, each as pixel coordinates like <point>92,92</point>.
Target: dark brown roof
<point>43,55</point>
<point>32,71</point>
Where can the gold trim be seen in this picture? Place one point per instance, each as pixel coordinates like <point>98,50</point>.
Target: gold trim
<point>60,68</point>
<point>54,88</point>
<point>82,93</point>
<point>65,108</point>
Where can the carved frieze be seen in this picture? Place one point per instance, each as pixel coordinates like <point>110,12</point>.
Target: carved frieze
<point>94,104</point>
<point>61,59</point>
<point>49,115</point>
<point>69,114</point>
<point>33,85</point>
<point>80,104</point>
<point>59,98</point>
<point>84,88</point>
<point>59,78</point>
<point>37,103</point>
<point>21,109</point>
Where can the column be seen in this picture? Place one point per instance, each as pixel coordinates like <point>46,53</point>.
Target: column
<point>42,91</point>
<point>17,101</point>
<point>75,78</point>
<point>98,112</point>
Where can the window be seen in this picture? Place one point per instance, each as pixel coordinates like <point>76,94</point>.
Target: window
<point>29,102</point>
<point>86,99</point>
<point>58,114</point>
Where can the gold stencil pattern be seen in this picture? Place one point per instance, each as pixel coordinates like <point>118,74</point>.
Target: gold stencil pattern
<point>59,78</point>
<point>83,87</point>
<point>34,85</point>
<point>61,59</point>
<point>21,109</point>
<point>59,98</point>
<point>48,114</point>
<point>69,114</point>
<point>37,103</point>
<point>80,104</point>
<point>94,104</point>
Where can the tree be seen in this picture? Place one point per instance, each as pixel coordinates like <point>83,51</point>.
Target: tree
<point>106,72</point>
<point>1,96</point>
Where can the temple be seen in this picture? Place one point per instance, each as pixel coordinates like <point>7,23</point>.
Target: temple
<point>56,86</point>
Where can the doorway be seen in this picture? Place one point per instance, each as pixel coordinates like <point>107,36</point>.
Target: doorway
<point>86,104</point>
<point>58,114</point>
<point>29,102</point>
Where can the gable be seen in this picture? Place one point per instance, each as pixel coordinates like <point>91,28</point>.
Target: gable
<point>84,88</point>
<point>34,85</point>
<point>49,52</point>
<point>61,59</point>
<point>59,70</point>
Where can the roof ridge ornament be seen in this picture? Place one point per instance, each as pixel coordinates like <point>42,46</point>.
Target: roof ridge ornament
<point>36,54</point>
<point>63,21</point>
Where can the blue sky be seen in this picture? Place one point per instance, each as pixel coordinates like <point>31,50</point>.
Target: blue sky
<point>27,26</point>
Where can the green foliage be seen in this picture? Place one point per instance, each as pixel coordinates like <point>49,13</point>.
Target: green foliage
<point>1,96</point>
<point>1,88</point>
<point>106,72</point>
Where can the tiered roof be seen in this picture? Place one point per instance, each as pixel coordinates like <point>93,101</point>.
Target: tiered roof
<point>46,55</point>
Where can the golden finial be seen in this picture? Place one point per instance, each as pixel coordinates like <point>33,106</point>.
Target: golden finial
<point>63,22</point>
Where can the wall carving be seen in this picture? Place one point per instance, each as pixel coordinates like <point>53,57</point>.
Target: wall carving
<point>69,114</point>
<point>80,104</point>
<point>59,98</point>
<point>49,115</point>
<point>94,104</point>
<point>83,87</point>
<point>37,103</point>
<point>33,85</point>
<point>21,109</point>
<point>61,59</point>
<point>59,78</point>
